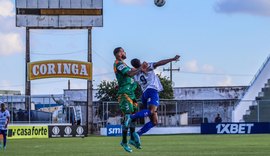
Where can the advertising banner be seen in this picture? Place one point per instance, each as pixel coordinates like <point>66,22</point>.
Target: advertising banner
<point>20,132</point>
<point>57,131</point>
<point>59,68</point>
<point>47,14</point>
<point>114,130</point>
<point>236,128</point>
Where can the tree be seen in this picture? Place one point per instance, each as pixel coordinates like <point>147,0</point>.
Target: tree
<point>107,90</point>
<point>167,92</point>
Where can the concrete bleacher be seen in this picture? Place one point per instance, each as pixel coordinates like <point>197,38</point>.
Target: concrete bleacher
<point>246,106</point>
<point>260,110</point>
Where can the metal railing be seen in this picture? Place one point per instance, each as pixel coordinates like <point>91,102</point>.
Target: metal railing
<point>172,113</point>
<point>44,109</point>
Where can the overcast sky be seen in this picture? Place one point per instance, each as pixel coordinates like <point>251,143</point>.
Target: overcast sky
<point>221,42</point>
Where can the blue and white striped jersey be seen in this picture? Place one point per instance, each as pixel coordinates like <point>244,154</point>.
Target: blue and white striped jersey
<point>3,119</point>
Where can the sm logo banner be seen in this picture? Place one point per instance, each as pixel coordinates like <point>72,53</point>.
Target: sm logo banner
<point>235,128</point>
<point>114,130</point>
<point>59,68</point>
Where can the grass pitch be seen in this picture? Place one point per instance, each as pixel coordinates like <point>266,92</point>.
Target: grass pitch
<point>168,145</point>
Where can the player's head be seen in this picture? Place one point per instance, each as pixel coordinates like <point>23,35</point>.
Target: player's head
<point>136,63</point>
<point>2,105</point>
<point>119,53</point>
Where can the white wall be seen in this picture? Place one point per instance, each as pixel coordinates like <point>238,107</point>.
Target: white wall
<point>165,130</point>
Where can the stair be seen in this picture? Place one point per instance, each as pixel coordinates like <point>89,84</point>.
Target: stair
<point>260,111</point>
<point>260,81</point>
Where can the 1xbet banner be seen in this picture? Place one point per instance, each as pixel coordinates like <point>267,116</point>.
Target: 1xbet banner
<point>236,128</point>
<point>19,132</point>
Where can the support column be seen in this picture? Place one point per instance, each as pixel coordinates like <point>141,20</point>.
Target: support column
<point>27,82</point>
<point>89,112</point>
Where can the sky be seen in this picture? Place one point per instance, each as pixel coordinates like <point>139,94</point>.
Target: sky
<point>221,42</point>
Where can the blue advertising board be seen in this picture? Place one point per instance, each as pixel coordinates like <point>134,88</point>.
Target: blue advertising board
<point>114,130</point>
<point>236,128</point>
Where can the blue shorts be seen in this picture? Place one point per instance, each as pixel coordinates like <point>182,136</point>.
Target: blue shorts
<point>150,97</point>
<point>3,132</point>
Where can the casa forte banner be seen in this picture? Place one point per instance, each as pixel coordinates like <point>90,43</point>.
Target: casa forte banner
<point>30,131</point>
<point>59,69</point>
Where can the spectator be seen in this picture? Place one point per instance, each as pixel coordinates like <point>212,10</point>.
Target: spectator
<point>78,122</point>
<point>218,119</point>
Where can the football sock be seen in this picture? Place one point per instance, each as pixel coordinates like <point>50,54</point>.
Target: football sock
<point>5,139</point>
<point>124,135</point>
<point>132,130</point>
<point>141,114</point>
<point>146,128</point>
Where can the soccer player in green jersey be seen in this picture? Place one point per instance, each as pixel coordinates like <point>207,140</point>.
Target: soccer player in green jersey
<point>126,96</point>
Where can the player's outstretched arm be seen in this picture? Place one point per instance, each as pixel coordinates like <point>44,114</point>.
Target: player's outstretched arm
<point>163,62</point>
<point>133,72</point>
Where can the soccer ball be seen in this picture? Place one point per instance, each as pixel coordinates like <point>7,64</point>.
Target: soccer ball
<point>159,3</point>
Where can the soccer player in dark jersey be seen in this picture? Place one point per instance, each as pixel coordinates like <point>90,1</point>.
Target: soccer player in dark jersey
<point>126,96</point>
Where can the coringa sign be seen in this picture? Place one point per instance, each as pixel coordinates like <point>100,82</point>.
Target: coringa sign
<point>59,69</point>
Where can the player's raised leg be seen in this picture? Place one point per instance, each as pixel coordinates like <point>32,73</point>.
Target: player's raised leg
<point>152,123</point>
<point>141,114</point>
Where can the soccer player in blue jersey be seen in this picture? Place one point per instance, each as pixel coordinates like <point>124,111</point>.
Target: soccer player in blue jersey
<point>151,86</point>
<point>4,120</point>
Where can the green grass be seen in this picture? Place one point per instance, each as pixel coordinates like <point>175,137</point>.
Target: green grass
<point>169,145</point>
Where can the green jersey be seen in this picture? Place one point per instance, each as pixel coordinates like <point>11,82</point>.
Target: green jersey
<point>126,84</point>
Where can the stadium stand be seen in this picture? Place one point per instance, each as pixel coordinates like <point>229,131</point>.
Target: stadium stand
<point>247,105</point>
<point>259,111</point>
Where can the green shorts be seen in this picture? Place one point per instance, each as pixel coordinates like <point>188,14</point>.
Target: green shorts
<point>127,105</point>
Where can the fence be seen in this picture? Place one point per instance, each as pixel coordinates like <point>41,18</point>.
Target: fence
<point>173,113</point>
<point>45,109</point>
